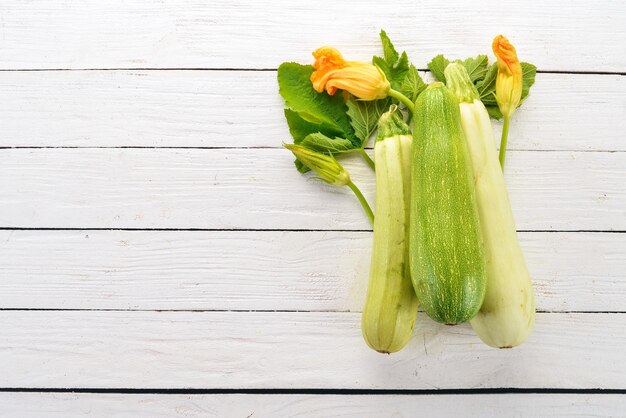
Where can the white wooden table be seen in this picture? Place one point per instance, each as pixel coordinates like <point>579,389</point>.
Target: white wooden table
<point>161,256</point>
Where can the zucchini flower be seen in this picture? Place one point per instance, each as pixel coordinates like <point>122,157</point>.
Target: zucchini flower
<point>330,171</point>
<point>509,80</point>
<point>327,167</point>
<point>361,79</point>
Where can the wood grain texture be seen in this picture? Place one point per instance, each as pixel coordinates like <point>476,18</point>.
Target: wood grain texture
<point>197,309</point>
<point>296,350</point>
<point>74,405</point>
<point>251,270</point>
<point>260,189</point>
<point>243,109</point>
<point>249,34</point>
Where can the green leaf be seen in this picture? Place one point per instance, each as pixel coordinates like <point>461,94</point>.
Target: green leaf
<point>301,167</point>
<point>476,67</point>
<point>437,65</point>
<point>394,65</point>
<point>325,145</point>
<point>412,85</point>
<point>487,86</point>
<point>321,109</point>
<point>364,116</point>
<point>389,51</point>
<point>529,72</point>
<point>309,135</point>
<point>494,112</point>
<point>299,127</point>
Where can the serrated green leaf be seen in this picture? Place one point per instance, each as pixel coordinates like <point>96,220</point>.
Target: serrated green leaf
<point>529,72</point>
<point>437,65</point>
<point>389,51</point>
<point>476,67</point>
<point>327,111</point>
<point>394,65</point>
<point>325,145</point>
<point>364,116</point>
<point>412,85</point>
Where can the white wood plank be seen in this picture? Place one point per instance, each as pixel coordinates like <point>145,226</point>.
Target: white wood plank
<point>154,108</point>
<point>225,270</point>
<point>70,405</point>
<point>243,109</point>
<point>296,350</point>
<point>557,35</point>
<point>216,189</point>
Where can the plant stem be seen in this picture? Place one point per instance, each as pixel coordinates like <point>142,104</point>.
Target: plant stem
<point>397,95</point>
<point>505,134</point>
<point>367,159</point>
<point>366,206</point>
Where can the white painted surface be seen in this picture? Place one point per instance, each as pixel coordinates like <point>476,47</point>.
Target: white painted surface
<point>270,270</point>
<point>566,172</point>
<point>34,405</point>
<point>230,108</point>
<point>557,35</point>
<point>260,189</point>
<point>117,349</point>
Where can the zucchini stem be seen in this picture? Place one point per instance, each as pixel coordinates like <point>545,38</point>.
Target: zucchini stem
<point>397,95</point>
<point>367,159</point>
<point>505,134</point>
<point>366,206</point>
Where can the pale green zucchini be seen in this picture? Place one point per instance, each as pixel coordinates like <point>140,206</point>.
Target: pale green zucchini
<point>507,315</point>
<point>391,305</point>
<point>446,253</point>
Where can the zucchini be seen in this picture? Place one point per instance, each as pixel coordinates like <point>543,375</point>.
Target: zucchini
<point>507,315</point>
<point>391,305</point>
<point>446,252</point>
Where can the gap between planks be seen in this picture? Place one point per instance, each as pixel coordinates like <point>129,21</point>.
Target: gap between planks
<point>426,70</point>
<point>139,147</point>
<point>168,405</point>
<point>314,391</point>
<point>340,311</point>
<point>36,228</point>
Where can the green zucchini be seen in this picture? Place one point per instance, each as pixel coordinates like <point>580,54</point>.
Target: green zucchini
<point>391,305</point>
<point>446,250</point>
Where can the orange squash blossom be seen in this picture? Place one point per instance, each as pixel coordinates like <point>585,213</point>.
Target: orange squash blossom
<point>361,79</point>
<point>509,79</point>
